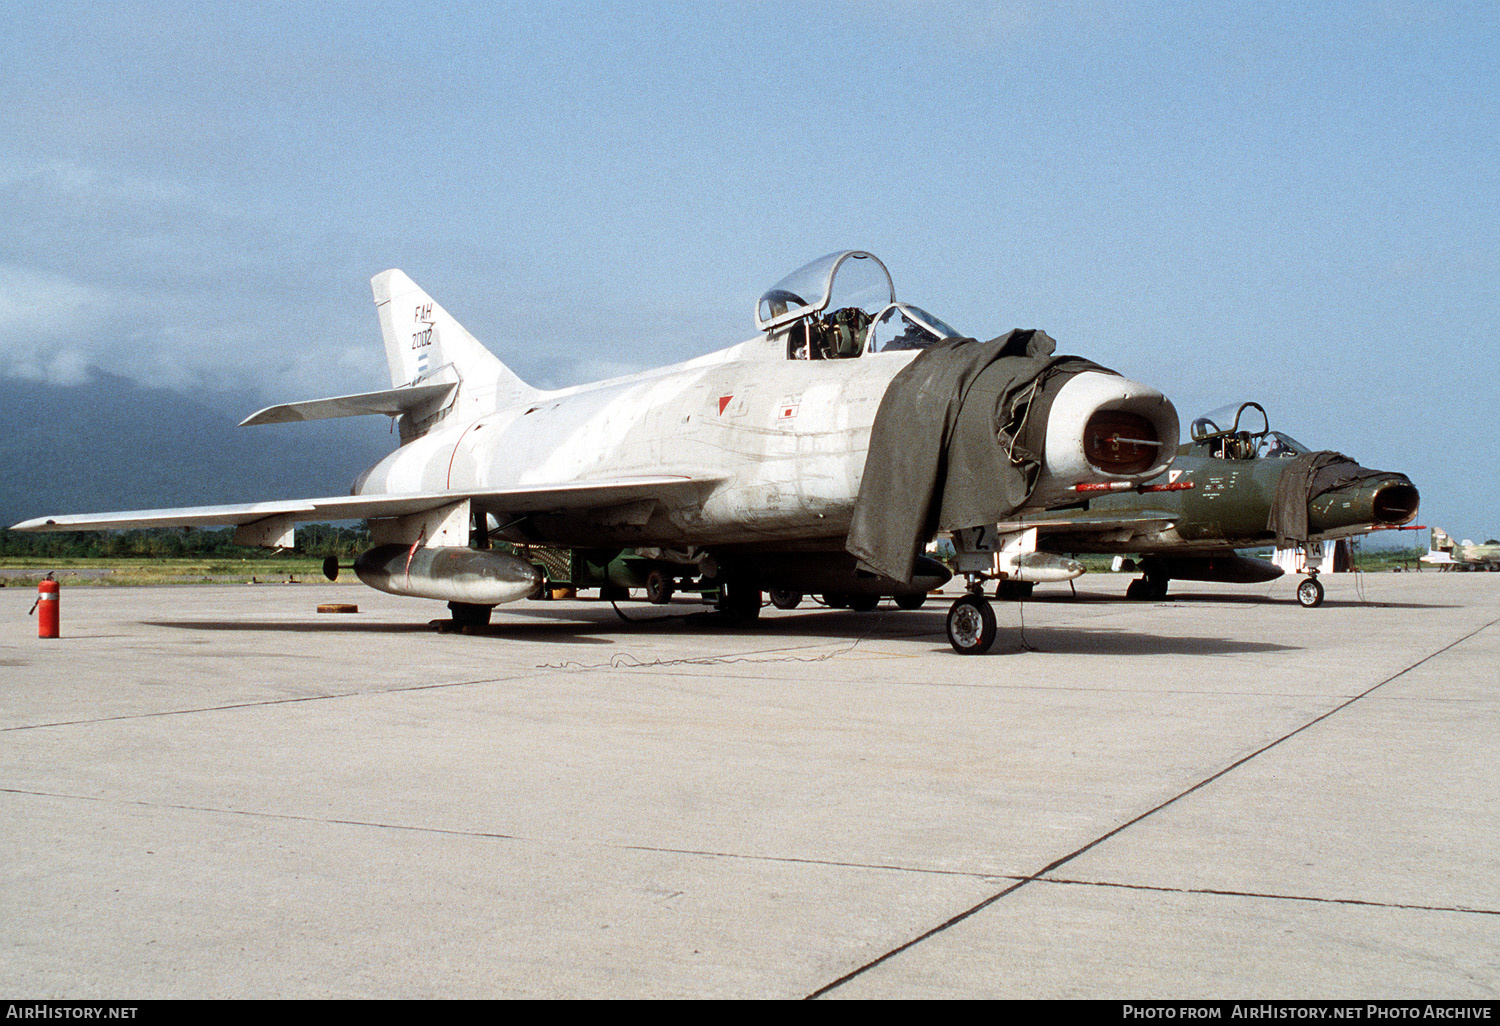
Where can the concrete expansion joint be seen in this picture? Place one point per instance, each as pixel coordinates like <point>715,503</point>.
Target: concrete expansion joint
<point>1269,896</point>
<point>493,835</point>
<point>261,704</point>
<point>258,814</point>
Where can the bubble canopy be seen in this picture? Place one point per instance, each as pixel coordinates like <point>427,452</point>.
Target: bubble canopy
<point>1228,419</point>
<point>1242,431</point>
<point>850,278</point>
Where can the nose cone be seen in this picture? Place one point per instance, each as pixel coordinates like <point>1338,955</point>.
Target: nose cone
<point>1381,500</point>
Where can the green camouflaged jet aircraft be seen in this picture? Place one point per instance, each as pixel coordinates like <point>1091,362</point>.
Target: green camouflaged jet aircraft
<point>1236,485</point>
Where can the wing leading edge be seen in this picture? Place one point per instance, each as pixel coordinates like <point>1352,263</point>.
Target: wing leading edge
<point>534,499</point>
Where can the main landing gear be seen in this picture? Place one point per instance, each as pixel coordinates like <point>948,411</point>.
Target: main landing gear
<point>467,618</point>
<point>1148,588</point>
<point>739,600</point>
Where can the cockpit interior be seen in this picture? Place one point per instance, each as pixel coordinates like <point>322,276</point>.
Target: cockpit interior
<point>1241,431</point>
<point>852,311</point>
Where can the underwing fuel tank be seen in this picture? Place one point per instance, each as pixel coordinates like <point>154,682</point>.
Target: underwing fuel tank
<point>1044,568</point>
<point>470,576</point>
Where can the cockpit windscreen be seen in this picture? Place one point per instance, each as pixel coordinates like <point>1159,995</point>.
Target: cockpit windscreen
<point>1279,443</point>
<point>903,326</point>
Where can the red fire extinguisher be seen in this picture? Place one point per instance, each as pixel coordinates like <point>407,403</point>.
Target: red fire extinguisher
<point>46,610</point>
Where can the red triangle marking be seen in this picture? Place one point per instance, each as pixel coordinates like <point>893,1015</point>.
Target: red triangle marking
<point>724,400</point>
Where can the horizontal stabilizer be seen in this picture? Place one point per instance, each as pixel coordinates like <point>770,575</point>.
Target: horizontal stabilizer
<point>529,499</point>
<point>391,402</point>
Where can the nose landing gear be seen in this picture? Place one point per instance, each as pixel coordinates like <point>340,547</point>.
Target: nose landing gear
<point>1310,593</point>
<point>971,622</point>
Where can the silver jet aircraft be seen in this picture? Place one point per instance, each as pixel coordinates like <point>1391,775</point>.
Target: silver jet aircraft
<point>743,467</point>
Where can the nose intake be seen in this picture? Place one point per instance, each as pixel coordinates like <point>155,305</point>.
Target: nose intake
<point>1396,503</point>
<point>1120,442</point>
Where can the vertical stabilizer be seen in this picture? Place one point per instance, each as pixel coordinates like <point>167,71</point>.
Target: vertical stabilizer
<point>423,343</point>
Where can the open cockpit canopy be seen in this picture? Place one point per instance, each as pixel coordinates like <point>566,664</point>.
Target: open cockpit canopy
<point>857,278</point>
<point>1241,431</point>
<point>844,305</point>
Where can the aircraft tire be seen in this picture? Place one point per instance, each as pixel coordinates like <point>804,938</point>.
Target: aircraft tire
<point>659,588</point>
<point>911,601</point>
<point>971,625</point>
<point>863,603</point>
<point>468,615</point>
<point>1310,593</point>
<point>785,598</point>
<point>1147,589</point>
<point>739,601</point>
<point>1014,590</point>
<point>836,600</point>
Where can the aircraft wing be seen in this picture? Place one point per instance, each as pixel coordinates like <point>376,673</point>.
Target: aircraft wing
<point>525,499</point>
<point>1101,519</point>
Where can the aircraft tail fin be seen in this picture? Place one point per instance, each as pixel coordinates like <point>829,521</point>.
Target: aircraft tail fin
<point>425,345</point>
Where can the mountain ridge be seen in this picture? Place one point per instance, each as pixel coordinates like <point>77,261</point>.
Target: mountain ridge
<point>112,444</point>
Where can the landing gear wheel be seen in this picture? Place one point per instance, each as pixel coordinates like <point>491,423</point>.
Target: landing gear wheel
<point>1014,590</point>
<point>835,600</point>
<point>912,601</point>
<point>739,601</point>
<point>971,625</point>
<point>659,588</point>
<point>1310,593</point>
<point>863,603</point>
<point>468,615</point>
<point>1147,589</point>
<point>783,598</point>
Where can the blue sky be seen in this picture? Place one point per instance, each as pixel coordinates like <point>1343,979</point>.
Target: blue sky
<point>1291,203</point>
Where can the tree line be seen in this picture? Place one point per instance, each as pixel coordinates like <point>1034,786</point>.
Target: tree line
<point>170,542</point>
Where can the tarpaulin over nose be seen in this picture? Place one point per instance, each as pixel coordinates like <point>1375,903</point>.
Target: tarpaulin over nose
<point>1309,476</point>
<point>957,441</point>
